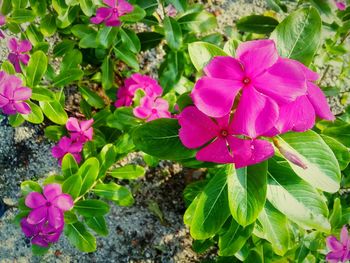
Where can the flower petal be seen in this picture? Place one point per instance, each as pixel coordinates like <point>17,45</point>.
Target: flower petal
<point>13,58</point>
<point>35,200</point>
<point>102,14</point>
<point>113,20</point>
<point>72,125</point>
<point>28,229</point>
<point>335,256</point>
<point>9,109</point>
<point>24,46</point>
<point>57,152</point>
<point>216,152</point>
<point>85,125</point>
<point>224,68</point>
<point>144,110</point>
<point>215,97</point>
<point>3,101</point>
<point>51,191</point>
<point>55,217</point>
<point>12,44</point>
<point>39,241</point>
<point>333,243</point>
<point>22,93</point>
<point>63,202</point>
<point>319,102</point>
<point>255,114</point>
<point>111,3</point>
<point>37,215</point>
<point>344,235</point>
<point>196,128</point>
<point>124,7</point>
<point>22,107</point>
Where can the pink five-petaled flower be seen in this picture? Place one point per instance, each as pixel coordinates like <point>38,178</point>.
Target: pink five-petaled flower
<point>300,115</point>
<point>340,250</point>
<point>151,109</point>
<point>221,145</point>
<point>110,15</point>
<point>48,206</point>
<point>2,22</point>
<point>13,95</point>
<point>265,82</point>
<point>80,131</point>
<point>41,234</point>
<point>18,53</point>
<point>67,145</point>
<point>137,81</point>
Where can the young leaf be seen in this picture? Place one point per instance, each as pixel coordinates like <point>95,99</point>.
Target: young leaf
<point>36,68</point>
<point>20,16</point>
<point>107,73</point>
<point>69,166</point>
<point>88,172</point>
<point>107,158</point>
<point>136,15</point>
<point>68,76</point>
<point>128,172</point>
<point>72,185</point>
<point>54,111</point>
<point>198,22</point>
<point>80,237</point>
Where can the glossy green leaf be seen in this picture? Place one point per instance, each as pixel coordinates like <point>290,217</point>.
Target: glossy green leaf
<point>106,36</point>
<point>127,57</point>
<point>22,16</point>
<point>69,165</point>
<point>80,237</point>
<point>340,151</point>
<point>54,111</point>
<point>88,172</point>
<point>336,216</point>
<point>198,22</point>
<point>30,186</point>
<point>173,33</point>
<point>92,98</point>
<point>72,185</point>
<point>55,132</point>
<point>107,73</point>
<point>16,120</point>
<point>98,224</point>
<point>91,208</point>
<point>257,24</point>
<point>71,60</point>
<point>107,158</point>
<point>36,115</point>
<point>87,6</point>
<point>42,94</point>
<point>36,68</point>
<point>117,193</point>
<point>136,15</point>
<point>8,67</point>
<point>63,47</point>
<point>68,76</point>
<point>149,39</point>
<point>130,40</point>
<point>129,172</point>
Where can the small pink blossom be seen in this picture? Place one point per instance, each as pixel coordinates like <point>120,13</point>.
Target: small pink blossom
<point>219,142</point>
<point>340,250</point>
<point>151,109</point>
<point>263,81</point>
<point>110,15</point>
<point>340,5</point>
<point>80,131</point>
<point>48,206</point>
<point>2,22</point>
<point>67,145</point>
<point>13,95</point>
<point>18,53</point>
<point>41,234</point>
<point>170,10</point>
<point>137,81</point>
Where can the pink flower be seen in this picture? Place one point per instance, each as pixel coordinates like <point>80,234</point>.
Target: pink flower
<point>49,206</point>
<point>2,22</point>
<point>41,234</point>
<point>137,81</point>
<point>170,10</point>
<point>67,145</point>
<point>110,15</point>
<point>18,53</point>
<point>300,115</point>
<point>13,95</point>
<point>80,131</point>
<point>219,140</point>
<point>151,109</point>
<point>340,5</point>
<point>340,250</point>
<point>263,81</point>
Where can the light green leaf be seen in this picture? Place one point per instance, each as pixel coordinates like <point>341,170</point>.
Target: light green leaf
<point>54,111</point>
<point>36,115</point>
<point>88,172</point>
<point>91,208</point>
<point>80,237</point>
<point>72,185</point>
<point>128,172</point>
<point>36,68</point>
<point>117,193</point>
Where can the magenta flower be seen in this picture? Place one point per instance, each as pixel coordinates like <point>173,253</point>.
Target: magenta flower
<point>340,5</point>
<point>18,53</point>
<point>41,234</point>
<point>49,206</point>
<point>80,131</point>
<point>300,115</point>
<point>340,250</point>
<point>2,22</point>
<point>67,145</point>
<point>110,15</point>
<point>263,80</point>
<point>219,140</point>
<point>151,109</point>
<point>170,10</point>
<point>13,95</point>
<point>137,81</point>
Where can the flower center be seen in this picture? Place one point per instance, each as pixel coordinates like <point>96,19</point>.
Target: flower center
<point>11,101</point>
<point>246,80</point>
<point>154,110</point>
<point>224,133</point>
<point>48,204</point>
<point>115,10</point>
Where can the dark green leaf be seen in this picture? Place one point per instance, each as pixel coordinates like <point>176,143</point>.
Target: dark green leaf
<point>173,33</point>
<point>91,208</point>
<point>257,24</point>
<point>36,68</point>
<point>117,193</point>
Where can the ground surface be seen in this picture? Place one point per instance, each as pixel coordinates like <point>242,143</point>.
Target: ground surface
<point>136,233</point>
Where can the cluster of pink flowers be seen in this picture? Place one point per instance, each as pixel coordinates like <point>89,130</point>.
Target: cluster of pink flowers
<point>80,133</point>
<point>339,250</point>
<point>44,224</point>
<point>151,105</point>
<point>257,94</point>
<point>13,95</point>
<point>19,53</point>
<point>110,15</point>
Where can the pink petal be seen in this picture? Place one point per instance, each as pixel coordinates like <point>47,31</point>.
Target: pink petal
<point>319,102</point>
<point>55,217</point>
<point>9,109</point>
<point>24,58</point>
<point>102,14</point>
<point>65,143</point>
<point>249,152</point>
<point>13,58</point>
<point>340,5</point>
<point>111,3</point>
<point>215,97</point>
<point>309,74</point>
<point>22,107</point>
<point>3,101</point>
<point>89,133</point>
<point>141,112</point>
<point>2,20</point>
<point>224,68</point>
<point>335,256</point>
<point>12,45</point>
<point>113,20</point>
<point>124,7</point>
<point>37,215</point>
<point>85,125</point>
<point>333,243</point>
<point>51,191</point>
<point>52,234</point>
<point>76,147</point>
<point>63,202</point>
<point>257,56</point>
<point>40,241</point>
<point>28,229</point>
<point>2,34</point>
<point>344,235</point>
<point>161,104</point>
<point>12,84</point>
<point>57,152</point>
<point>196,128</point>
<point>216,152</point>
<point>255,114</point>
<point>283,82</point>
<point>22,93</point>
<point>35,200</point>
<point>72,125</point>
<point>24,46</point>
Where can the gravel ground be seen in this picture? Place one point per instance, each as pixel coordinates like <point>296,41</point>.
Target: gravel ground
<point>137,234</point>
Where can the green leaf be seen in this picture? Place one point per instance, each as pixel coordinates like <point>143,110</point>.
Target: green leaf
<point>136,15</point>
<point>130,40</point>
<point>36,68</point>
<point>92,98</point>
<point>98,224</point>
<point>127,57</point>
<point>117,193</point>
<point>34,35</point>
<point>30,186</point>
<point>148,5</point>
<point>295,198</point>
<point>149,39</point>
<point>91,208</point>
<point>123,119</point>
<point>257,24</point>
<point>68,76</point>
<point>106,36</point>
<point>88,172</point>
<point>72,185</point>
<point>340,151</point>
<point>160,138</point>
<point>129,172</point>
<point>201,53</point>
<point>89,41</point>
<point>69,166</point>
<point>107,73</point>
<point>36,115</point>
<point>171,70</point>
<point>22,16</point>
<point>16,120</point>
<point>80,237</point>
<point>54,111</point>
<point>42,94</point>
<point>62,48</point>
<point>6,7</point>
<point>232,240</point>
<point>298,36</point>
<point>212,209</point>
<point>198,22</point>
<point>71,60</point>
<point>173,33</point>
<point>55,132</point>
<point>87,6</point>
<point>48,25</point>
<point>8,67</point>
<point>70,217</point>
<point>82,30</point>
<point>341,133</point>
<point>247,192</point>
<point>39,251</point>
<point>107,158</point>
<point>39,7</point>
<point>322,168</point>
<point>336,216</point>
